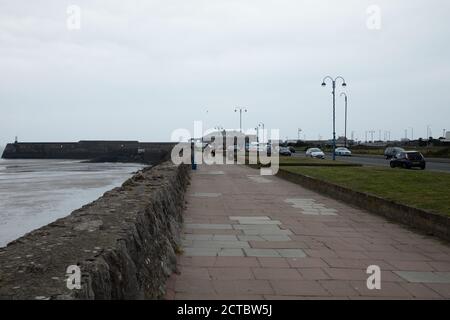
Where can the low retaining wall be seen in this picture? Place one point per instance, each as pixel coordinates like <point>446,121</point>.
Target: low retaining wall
<point>124,243</point>
<point>425,221</point>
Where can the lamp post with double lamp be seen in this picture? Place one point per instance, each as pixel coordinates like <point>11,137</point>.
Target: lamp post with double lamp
<point>345,130</point>
<point>240,116</point>
<point>333,84</point>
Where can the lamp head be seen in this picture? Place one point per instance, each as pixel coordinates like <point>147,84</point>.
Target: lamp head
<point>323,84</point>
<point>344,84</point>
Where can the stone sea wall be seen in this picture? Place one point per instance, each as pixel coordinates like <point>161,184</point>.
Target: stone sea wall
<point>97,151</point>
<point>124,244</point>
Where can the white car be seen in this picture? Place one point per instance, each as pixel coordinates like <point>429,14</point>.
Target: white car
<point>315,153</point>
<point>255,146</point>
<point>233,148</point>
<point>341,151</point>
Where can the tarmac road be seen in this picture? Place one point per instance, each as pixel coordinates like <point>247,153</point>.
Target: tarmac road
<point>432,164</point>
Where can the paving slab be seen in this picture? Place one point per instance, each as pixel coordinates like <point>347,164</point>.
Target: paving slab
<point>206,195</point>
<point>425,277</point>
<point>265,231</point>
<point>219,244</point>
<point>208,226</point>
<point>213,172</point>
<point>247,236</point>
<point>251,252</point>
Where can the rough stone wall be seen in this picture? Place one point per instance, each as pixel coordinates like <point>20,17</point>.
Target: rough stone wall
<point>125,244</point>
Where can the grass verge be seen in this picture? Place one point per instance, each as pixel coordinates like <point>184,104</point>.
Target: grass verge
<point>420,189</point>
<point>289,161</point>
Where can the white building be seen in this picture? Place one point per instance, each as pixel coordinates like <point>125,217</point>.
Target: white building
<point>230,135</point>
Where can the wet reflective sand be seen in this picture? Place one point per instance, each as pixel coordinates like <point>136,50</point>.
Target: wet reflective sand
<point>34,193</point>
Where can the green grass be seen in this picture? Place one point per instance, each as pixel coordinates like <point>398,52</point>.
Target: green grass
<point>313,162</point>
<point>421,189</point>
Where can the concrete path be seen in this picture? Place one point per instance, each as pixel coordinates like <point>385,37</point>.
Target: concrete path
<point>252,237</point>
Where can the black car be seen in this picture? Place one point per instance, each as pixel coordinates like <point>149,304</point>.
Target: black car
<point>391,152</point>
<point>408,159</point>
<point>284,151</point>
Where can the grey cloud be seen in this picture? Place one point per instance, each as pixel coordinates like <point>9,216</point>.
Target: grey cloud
<point>140,69</point>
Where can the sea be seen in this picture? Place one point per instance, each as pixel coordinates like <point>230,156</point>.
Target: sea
<point>34,193</point>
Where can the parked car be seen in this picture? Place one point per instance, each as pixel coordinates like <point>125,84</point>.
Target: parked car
<point>233,148</point>
<point>391,152</point>
<point>253,147</point>
<point>408,159</point>
<point>284,151</point>
<point>341,151</point>
<point>260,147</point>
<point>292,149</point>
<point>315,153</point>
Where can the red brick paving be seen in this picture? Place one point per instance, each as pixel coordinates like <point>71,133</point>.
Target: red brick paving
<point>338,248</point>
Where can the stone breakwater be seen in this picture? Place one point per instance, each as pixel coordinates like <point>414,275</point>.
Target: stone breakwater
<point>124,243</point>
<point>95,151</point>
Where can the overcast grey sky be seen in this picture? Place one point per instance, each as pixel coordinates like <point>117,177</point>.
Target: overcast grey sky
<point>140,69</point>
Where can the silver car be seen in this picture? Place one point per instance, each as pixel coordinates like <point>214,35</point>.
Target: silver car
<point>341,151</point>
<point>315,153</point>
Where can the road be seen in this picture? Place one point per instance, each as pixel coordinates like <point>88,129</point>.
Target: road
<point>248,236</point>
<point>380,161</point>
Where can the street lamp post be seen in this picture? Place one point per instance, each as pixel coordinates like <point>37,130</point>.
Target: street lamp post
<point>371,134</point>
<point>262,125</point>
<point>240,116</point>
<point>428,131</point>
<point>299,131</point>
<point>333,83</point>
<point>345,130</point>
<point>204,127</point>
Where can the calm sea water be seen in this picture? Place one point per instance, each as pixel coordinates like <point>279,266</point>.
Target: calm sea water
<point>34,193</point>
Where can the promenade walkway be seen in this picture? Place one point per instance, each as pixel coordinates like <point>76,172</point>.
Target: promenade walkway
<point>248,236</point>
